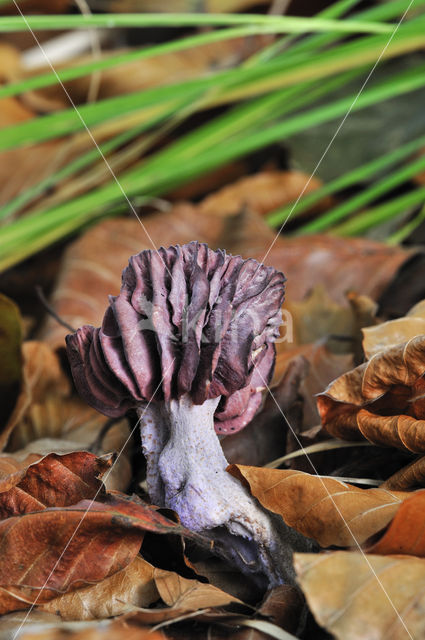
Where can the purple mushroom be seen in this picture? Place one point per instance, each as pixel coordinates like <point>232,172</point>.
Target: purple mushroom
<point>189,344</point>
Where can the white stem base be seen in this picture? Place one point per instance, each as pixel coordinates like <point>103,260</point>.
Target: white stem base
<point>186,471</point>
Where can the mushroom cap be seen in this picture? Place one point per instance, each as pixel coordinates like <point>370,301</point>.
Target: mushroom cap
<point>188,320</point>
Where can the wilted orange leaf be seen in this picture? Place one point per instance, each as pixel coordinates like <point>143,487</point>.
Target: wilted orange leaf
<point>328,510</point>
<point>381,400</point>
<point>406,533</point>
<point>356,597</point>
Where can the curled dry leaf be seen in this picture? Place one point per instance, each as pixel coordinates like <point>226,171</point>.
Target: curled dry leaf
<point>317,366</point>
<point>381,400</point>
<point>356,597</point>
<point>331,512</point>
<point>410,477</point>
<point>388,334</point>
<point>406,533</point>
<point>116,630</point>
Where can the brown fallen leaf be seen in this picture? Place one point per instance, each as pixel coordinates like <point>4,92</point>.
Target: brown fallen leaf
<point>331,512</point>
<point>381,400</point>
<point>410,477</point>
<point>388,334</point>
<point>37,6</point>
<point>356,597</point>
<point>116,630</point>
<point>189,595</point>
<point>46,418</point>
<point>59,549</point>
<point>41,373</point>
<point>406,533</point>
<point>320,366</point>
<point>60,529</point>
<point>319,318</point>
<point>23,167</point>
<point>53,481</point>
<point>338,264</point>
<point>131,587</point>
<point>262,193</point>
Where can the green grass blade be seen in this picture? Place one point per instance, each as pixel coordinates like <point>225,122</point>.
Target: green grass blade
<point>362,222</point>
<point>235,84</point>
<point>78,71</point>
<point>362,173</point>
<point>132,20</point>
<point>406,230</point>
<point>365,197</point>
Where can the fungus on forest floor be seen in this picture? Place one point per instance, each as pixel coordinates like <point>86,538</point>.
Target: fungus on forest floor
<point>189,344</point>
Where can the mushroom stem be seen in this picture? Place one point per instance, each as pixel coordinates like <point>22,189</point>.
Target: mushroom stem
<point>186,471</point>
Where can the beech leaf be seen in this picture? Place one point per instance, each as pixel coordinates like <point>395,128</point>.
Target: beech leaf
<point>325,509</point>
<point>131,587</point>
<point>381,400</point>
<point>356,597</point>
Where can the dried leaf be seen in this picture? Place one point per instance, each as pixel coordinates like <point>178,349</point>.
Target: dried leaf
<point>116,630</point>
<point>406,533</point>
<point>47,552</point>
<point>41,374</point>
<point>47,419</point>
<point>338,264</point>
<point>318,317</point>
<point>262,193</point>
<point>388,334</point>
<point>143,74</point>
<point>60,530</point>
<point>356,597</point>
<point>381,400</point>
<point>317,366</point>
<point>410,477</point>
<point>189,595</point>
<point>21,168</point>
<point>131,587</point>
<point>328,510</point>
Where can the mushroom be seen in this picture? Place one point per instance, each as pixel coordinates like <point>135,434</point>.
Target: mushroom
<point>189,344</point>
